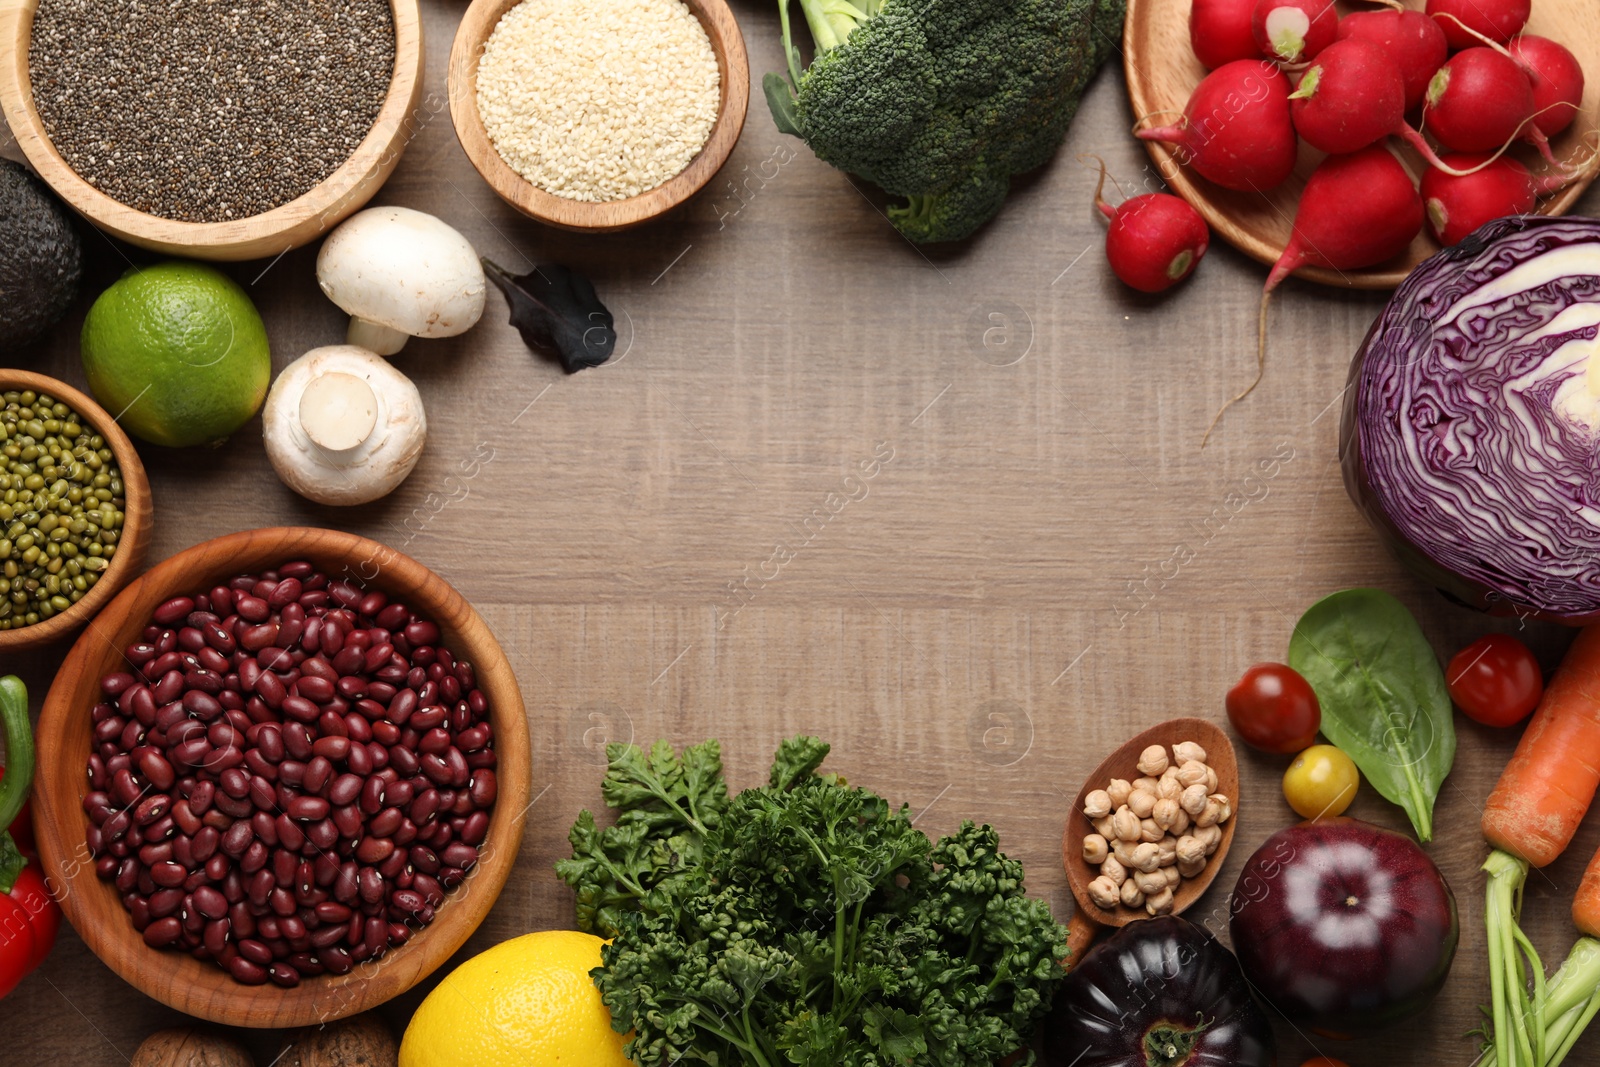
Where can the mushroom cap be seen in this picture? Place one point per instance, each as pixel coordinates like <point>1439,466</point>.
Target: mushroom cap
<point>366,471</point>
<point>403,269</point>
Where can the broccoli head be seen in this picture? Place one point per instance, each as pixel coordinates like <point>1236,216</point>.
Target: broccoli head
<point>941,101</point>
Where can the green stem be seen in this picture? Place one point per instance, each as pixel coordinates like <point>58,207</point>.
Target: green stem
<point>19,749</point>
<point>1579,1019</point>
<point>1534,1010</point>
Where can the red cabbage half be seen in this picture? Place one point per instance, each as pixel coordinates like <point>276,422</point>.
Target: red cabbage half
<point>1471,430</point>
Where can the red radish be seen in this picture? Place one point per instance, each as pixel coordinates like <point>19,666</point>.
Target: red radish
<point>1412,39</point>
<point>1557,81</point>
<point>1350,97</point>
<point>1498,20</point>
<point>1293,31</point>
<point>1458,205</point>
<point>1479,101</point>
<point>1236,129</point>
<point>1356,210</point>
<point>1155,240</point>
<point>1219,31</point>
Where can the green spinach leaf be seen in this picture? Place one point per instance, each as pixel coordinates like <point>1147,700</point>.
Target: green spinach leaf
<point>1383,696</point>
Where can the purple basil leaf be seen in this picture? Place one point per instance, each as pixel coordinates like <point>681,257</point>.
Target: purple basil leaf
<point>555,308</point>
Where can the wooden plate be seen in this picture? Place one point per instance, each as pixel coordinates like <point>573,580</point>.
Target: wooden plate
<point>1162,73</point>
<point>136,515</point>
<point>94,908</point>
<point>733,65</point>
<point>1122,764</point>
<point>269,234</point>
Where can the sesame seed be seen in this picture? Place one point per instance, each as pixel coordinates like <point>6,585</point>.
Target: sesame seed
<point>598,100</point>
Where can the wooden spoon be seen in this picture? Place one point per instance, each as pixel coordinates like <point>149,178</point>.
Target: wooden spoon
<point>1089,917</point>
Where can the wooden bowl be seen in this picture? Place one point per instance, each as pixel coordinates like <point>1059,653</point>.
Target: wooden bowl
<point>136,521</point>
<point>93,906</point>
<point>726,41</point>
<point>1121,764</point>
<point>269,234</point>
<point>1162,73</point>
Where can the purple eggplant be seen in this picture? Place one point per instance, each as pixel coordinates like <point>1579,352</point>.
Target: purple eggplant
<point>1157,993</point>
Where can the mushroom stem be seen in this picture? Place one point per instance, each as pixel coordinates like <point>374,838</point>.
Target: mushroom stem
<point>375,337</point>
<point>338,411</point>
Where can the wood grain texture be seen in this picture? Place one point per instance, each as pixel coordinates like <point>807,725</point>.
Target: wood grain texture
<point>732,64</point>
<point>1162,72</point>
<point>1046,565</point>
<point>136,517</point>
<point>269,234</point>
<point>1122,763</point>
<point>63,740</point>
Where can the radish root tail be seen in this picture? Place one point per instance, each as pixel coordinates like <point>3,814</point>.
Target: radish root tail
<point>1261,367</point>
<point>1100,187</point>
<point>1488,42</point>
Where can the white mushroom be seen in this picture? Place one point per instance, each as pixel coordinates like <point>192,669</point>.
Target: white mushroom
<point>398,274</point>
<point>342,426</point>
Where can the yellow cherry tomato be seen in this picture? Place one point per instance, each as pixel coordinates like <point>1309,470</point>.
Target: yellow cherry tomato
<point>1321,782</point>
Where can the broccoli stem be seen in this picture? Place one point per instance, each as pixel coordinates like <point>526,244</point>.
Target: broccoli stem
<point>832,20</point>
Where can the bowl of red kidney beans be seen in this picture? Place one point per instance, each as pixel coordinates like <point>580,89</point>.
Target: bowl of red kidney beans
<point>283,777</point>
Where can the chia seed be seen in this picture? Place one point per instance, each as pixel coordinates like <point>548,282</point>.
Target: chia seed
<point>209,110</point>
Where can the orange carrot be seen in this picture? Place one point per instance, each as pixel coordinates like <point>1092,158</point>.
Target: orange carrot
<point>1586,905</point>
<point>1547,787</point>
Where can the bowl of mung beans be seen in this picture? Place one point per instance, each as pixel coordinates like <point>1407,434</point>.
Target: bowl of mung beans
<point>74,510</point>
<point>598,115</point>
<point>213,131</point>
<point>283,777</point>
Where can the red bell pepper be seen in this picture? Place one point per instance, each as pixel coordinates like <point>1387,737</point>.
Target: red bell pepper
<point>29,917</point>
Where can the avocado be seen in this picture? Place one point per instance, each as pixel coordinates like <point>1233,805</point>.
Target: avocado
<point>41,259</point>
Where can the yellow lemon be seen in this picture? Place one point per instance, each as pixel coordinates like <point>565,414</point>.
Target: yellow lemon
<point>527,1002</point>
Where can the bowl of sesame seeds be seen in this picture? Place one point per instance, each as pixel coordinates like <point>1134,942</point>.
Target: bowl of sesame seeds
<point>598,115</point>
<point>222,131</point>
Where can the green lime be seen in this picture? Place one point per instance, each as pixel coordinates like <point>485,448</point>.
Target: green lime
<point>177,353</point>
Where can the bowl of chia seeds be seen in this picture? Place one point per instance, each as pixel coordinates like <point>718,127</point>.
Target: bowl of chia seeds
<point>221,131</point>
<point>74,510</point>
<point>598,115</point>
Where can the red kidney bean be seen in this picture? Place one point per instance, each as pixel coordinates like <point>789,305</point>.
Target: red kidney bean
<point>290,834</point>
<point>435,742</point>
<point>372,850</point>
<point>402,707</point>
<point>152,809</point>
<point>476,828</point>
<point>323,834</point>
<point>299,708</point>
<point>163,932</point>
<point>254,858</point>
<point>171,612</point>
<point>308,809</point>
<point>360,760</point>
<point>348,821</point>
<point>357,729</point>
<point>319,772</point>
<point>164,902</point>
<point>263,795</point>
<point>168,874</point>
<point>344,789</point>
<point>254,951</point>
<point>385,823</point>
<point>296,741</point>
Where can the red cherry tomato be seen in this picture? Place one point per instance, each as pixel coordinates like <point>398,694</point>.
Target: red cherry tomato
<point>1495,680</point>
<point>1274,708</point>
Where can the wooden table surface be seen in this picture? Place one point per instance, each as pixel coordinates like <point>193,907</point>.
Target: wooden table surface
<point>946,509</point>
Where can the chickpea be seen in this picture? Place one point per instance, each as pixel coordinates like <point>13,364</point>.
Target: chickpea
<point>1150,882</point>
<point>1180,825</point>
<point>1165,813</point>
<point>1192,773</point>
<point>1193,799</point>
<point>1168,851</point>
<point>1103,827</point>
<point>1142,803</point>
<point>1184,751</point>
<point>1213,813</point>
<point>1211,780</point>
<point>1169,788</point>
<point>1122,852</point>
<point>1160,903</point>
<point>1193,868</point>
<point>1113,869</point>
<point>1104,892</point>
<point>1227,807</point>
<point>1131,895</point>
<point>1150,832</point>
<point>1095,849</point>
<point>1211,836</point>
<point>1146,857</point>
<point>1126,825</point>
<point>1147,783</point>
<point>1098,804</point>
<point>1118,791</point>
<point>1191,849</point>
<point>1174,876</point>
<point>1153,760</point>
